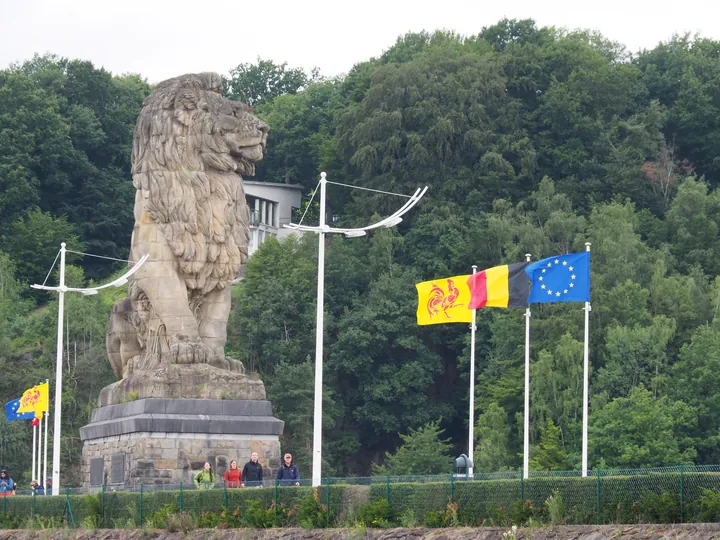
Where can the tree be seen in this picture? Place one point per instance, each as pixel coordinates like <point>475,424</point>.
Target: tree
<point>265,80</point>
<point>641,430</point>
<point>492,434</point>
<point>422,452</point>
<point>34,241</point>
<point>550,454</point>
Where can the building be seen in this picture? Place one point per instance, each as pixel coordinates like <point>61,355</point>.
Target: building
<point>271,206</point>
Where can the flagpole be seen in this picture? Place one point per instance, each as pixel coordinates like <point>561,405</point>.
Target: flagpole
<point>44,471</point>
<point>33,450</point>
<point>586,384</point>
<point>39,449</point>
<point>471,423</point>
<point>526,414</point>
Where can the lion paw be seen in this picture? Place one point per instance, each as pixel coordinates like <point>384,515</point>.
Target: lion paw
<point>188,352</point>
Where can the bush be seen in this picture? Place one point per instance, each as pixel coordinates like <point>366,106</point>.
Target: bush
<point>377,514</point>
<point>310,513</point>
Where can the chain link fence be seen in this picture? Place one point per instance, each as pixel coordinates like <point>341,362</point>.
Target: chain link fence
<point>661,495</point>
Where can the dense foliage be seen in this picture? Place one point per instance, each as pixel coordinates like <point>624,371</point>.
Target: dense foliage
<point>532,140</point>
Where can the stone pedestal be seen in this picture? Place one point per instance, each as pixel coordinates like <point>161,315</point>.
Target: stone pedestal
<point>167,440</point>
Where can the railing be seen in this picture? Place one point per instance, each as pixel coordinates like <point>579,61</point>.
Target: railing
<point>666,495</point>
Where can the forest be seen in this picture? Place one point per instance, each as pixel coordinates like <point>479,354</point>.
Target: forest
<point>531,140</point>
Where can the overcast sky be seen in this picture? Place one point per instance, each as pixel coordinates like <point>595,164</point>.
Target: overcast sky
<point>164,38</point>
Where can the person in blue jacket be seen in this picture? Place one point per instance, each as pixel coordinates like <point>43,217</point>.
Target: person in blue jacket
<point>6,483</point>
<point>288,473</point>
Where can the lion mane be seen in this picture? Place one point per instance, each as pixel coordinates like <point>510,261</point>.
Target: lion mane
<point>187,175</point>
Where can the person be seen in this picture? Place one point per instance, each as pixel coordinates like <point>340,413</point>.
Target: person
<point>37,489</point>
<point>252,471</point>
<point>288,472</point>
<point>48,486</point>
<point>233,476</point>
<point>205,478</point>
<point>7,485</point>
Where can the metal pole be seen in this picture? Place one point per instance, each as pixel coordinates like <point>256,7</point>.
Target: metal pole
<point>58,377</point>
<point>39,449</point>
<point>526,413</point>
<point>44,479</point>
<point>317,417</point>
<point>34,449</point>
<point>586,384</point>
<point>471,417</point>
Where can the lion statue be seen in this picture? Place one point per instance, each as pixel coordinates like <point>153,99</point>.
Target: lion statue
<point>190,147</point>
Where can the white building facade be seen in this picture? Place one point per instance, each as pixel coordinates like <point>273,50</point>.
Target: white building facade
<point>271,206</point>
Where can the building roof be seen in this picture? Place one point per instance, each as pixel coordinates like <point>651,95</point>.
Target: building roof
<point>272,184</point>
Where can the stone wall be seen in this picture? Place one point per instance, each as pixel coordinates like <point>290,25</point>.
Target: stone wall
<point>165,441</point>
<point>171,458</point>
<point>584,532</point>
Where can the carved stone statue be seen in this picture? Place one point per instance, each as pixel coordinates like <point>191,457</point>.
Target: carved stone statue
<point>190,147</point>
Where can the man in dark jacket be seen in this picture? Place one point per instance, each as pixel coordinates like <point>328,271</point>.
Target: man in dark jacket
<point>288,473</point>
<point>252,472</point>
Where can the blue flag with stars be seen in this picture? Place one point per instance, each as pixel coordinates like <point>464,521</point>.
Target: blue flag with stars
<point>11,413</point>
<point>563,278</point>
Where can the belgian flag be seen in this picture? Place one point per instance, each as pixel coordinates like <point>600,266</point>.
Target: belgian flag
<point>505,286</point>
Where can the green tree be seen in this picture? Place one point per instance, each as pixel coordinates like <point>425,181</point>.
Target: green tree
<point>549,454</point>
<point>492,434</point>
<point>641,430</point>
<point>265,80</point>
<point>422,452</point>
<point>33,243</point>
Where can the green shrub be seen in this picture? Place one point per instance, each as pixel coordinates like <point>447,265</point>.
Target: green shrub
<point>376,514</point>
<point>310,513</point>
<point>663,508</point>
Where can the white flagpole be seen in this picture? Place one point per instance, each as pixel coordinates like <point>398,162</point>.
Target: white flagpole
<point>586,384</point>
<point>44,470</point>
<point>39,450</point>
<point>33,450</point>
<point>471,423</point>
<point>526,414</point>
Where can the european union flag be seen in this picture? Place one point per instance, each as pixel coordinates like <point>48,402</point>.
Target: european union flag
<point>12,414</point>
<point>563,278</point>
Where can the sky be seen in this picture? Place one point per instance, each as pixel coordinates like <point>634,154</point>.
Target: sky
<point>162,38</point>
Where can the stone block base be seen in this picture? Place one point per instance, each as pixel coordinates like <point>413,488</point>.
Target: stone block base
<point>167,441</point>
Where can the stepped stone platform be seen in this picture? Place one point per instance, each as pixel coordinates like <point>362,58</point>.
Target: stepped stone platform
<point>167,440</point>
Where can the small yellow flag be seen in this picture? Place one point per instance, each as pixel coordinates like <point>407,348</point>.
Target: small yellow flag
<point>444,301</point>
<point>35,399</point>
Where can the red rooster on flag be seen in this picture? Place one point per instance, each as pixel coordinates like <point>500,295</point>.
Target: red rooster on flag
<point>441,301</point>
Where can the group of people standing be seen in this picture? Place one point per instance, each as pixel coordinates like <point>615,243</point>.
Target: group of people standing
<point>9,487</point>
<point>251,474</point>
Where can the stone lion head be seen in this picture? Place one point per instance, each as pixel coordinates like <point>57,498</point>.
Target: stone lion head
<point>190,147</point>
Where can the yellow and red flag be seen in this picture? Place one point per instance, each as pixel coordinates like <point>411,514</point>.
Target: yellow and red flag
<point>443,301</point>
<point>35,399</point>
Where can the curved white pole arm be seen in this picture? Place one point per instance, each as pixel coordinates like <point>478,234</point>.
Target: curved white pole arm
<point>389,221</point>
<point>119,282</point>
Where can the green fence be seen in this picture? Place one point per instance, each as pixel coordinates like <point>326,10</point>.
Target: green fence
<point>663,495</point>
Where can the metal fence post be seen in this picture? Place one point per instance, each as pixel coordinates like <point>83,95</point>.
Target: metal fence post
<point>34,509</point>
<point>522,485</point>
<point>141,506</point>
<point>327,501</point>
<point>682,493</point>
<point>5,505</point>
<point>387,489</point>
<point>225,494</point>
<point>275,493</point>
<point>180,501</point>
<point>597,519</point>
<point>452,487</point>
<point>102,505</point>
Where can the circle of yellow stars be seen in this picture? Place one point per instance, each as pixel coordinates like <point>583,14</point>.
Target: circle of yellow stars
<point>572,277</point>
